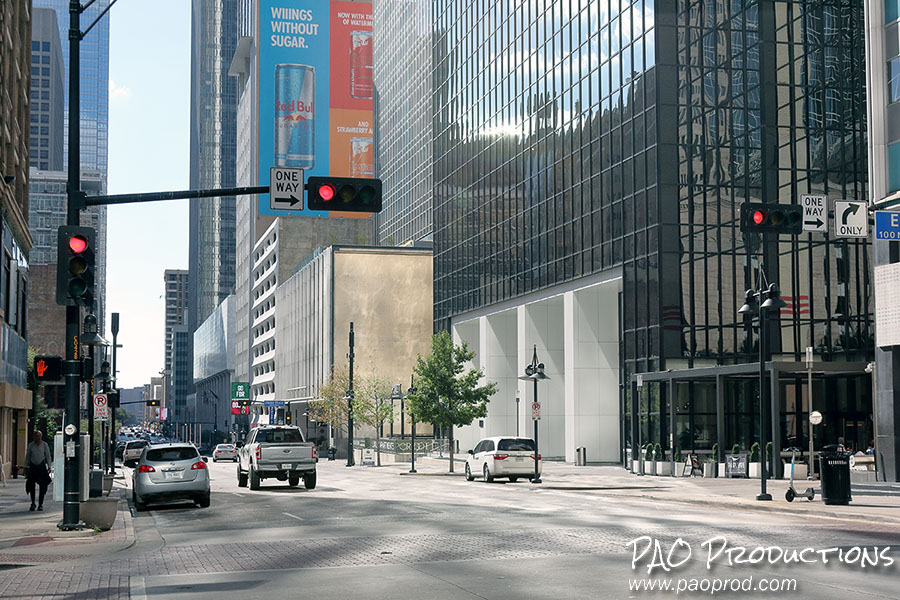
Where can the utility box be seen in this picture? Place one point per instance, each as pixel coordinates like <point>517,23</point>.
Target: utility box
<point>581,456</point>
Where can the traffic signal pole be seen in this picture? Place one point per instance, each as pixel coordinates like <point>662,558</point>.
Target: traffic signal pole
<point>71,371</point>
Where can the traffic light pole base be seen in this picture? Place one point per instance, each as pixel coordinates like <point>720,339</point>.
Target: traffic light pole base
<point>70,527</point>
<point>764,497</point>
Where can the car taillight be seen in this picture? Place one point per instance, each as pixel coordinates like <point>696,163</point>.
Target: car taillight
<point>198,465</point>
<point>315,452</point>
<point>538,457</point>
<point>258,453</point>
<point>146,469</point>
<point>500,456</point>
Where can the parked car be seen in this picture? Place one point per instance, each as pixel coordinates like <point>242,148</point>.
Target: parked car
<point>120,450</point>
<point>511,457</point>
<point>132,452</point>
<point>277,452</point>
<point>225,452</point>
<point>170,472</point>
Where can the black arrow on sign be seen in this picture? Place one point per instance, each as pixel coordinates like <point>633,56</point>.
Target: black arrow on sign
<point>817,223</point>
<point>852,209</point>
<point>293,200</point>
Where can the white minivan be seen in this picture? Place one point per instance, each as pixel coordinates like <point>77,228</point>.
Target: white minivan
<point>502,456</point>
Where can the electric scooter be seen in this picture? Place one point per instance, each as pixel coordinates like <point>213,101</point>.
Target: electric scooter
<point>791,493</point>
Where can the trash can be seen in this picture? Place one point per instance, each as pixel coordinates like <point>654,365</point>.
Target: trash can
<point>96,483</point>
<point>834,472</point>
<point>581,456</point>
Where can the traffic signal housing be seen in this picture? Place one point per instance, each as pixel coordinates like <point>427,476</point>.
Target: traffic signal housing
<point>771,218</point>
<point>287,417</point>
<point>344,194</point>
<point>48,368</point>
<point>152,402</point>
<point>75,266</point>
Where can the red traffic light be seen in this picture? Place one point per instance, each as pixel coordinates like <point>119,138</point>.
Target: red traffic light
<point>759,217</point>
<point>78,244</point>
<point>326,191</point>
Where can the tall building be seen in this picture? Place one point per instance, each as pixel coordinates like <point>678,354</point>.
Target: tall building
<point>47,184</point>
<point>47,93</point>
<point>176,286</point>
<point>403,113</point>
<point>94,84</point>
<point>213,370</point>
<point>883,97</point>
<point>588,179</point>
<point>15,240</point>
<point>213,108</point>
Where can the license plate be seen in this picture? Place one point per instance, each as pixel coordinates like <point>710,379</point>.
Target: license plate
<point>175,475</point>
<point>520,460</point>
<point>286,466</point>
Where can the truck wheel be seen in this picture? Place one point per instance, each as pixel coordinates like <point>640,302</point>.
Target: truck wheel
<point>242,478</point>
<point>254,480</point>
<point>294,480</point>
<point>309,480</point>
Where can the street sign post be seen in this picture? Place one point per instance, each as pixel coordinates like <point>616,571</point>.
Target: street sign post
<point>101,407</point>
<point>815,212</point>
<point>285,188</point>
<point>851,220</point>
<point>887,225</point>
<point>536,411</point>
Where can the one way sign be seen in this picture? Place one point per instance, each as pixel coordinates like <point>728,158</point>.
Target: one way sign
<point>285,188</point>
<point>815,212</point>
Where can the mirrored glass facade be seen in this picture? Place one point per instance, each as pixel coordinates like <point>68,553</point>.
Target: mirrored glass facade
<point>579,136</point>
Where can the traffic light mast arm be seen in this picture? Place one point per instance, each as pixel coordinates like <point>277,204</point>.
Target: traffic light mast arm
<point>179,195</point>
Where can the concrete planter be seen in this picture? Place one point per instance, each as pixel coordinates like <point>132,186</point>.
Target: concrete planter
<point>107,484</point>
<point>721,470</point>
<point>709,470</point>
<point>650,467</point>
<point>663,467</point>
<point>800,471</point>
<point>636,467</point>
<point>99,512</point>
<point>754,470</point>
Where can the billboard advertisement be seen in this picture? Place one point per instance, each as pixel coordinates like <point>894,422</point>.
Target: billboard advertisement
<point>315,91</point>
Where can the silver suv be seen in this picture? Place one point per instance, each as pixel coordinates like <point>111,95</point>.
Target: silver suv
<point>170,472</point>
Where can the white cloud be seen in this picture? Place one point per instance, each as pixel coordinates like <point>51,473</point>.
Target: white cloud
<point>118,93</point>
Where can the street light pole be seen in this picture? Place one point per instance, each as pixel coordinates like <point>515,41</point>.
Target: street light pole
<point>517,413</point>
<point>350,460</point>
<point>412,390</point>
<point>535,372</point>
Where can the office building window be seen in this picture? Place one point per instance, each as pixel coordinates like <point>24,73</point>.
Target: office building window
<point>891,10</point>
<point>894,167</point>
<point>894,79</point>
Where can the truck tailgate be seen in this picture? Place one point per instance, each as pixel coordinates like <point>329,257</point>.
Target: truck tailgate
<point>278,453</point>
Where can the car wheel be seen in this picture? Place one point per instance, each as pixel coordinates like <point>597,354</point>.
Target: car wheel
<point>293,480</point>
<point>487,475</point>
<point>242,478</point>
<point>469,476</point>
<point>309,481</point>
<point>254,480</point>
<point>203,501</point>
<point>138,505</point>
<point>513,479</point>
<point>215,459</point>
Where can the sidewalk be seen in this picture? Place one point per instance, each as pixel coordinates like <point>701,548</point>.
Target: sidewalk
<point>871,502</point>
<point>33,538</point>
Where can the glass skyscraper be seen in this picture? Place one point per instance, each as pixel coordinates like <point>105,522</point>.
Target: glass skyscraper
<point>213,124</point>
<point>589,162</point>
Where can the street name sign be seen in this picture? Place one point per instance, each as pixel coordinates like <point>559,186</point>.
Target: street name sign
<point>285,188</point>
<point>815,212</point>
<point>887,225</point>
<point>274,403</point>
<point>851,220</point>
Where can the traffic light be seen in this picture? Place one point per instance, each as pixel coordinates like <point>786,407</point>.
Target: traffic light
<point>75,266</point>
<point>152,402</point>
<point>771,218</point>
<point>48,368</point>
<point>245,403</point>
<point>344,194</point>
<point>287,417</point>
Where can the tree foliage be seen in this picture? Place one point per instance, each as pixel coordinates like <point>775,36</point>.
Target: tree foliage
<point>331,407</point>
<point>446,394</point>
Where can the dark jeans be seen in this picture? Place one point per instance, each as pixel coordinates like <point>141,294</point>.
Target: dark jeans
<point>38,477</point>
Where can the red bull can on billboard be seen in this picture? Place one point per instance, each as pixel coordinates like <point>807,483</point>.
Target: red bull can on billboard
<point>362,159</point>
<point>361,64</point>
<point>295,116</point>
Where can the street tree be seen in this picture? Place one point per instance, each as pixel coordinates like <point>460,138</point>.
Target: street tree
<point>446,394</point>
<point>331,407</point>
<point>371,406</point>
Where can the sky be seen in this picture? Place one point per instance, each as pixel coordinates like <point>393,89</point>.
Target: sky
<point>149,149</point>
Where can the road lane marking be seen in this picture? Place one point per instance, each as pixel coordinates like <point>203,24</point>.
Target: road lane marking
<point>293,516</point>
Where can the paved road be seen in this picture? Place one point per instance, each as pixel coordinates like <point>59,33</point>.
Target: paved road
<point>371,533</point>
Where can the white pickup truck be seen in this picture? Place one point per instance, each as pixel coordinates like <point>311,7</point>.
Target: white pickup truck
<point>278,452</point>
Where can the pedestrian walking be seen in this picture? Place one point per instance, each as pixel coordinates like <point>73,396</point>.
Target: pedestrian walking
<point>2,472</point>
<point>37,461</point>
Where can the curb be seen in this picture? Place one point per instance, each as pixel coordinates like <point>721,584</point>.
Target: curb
<point>432,474</point>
